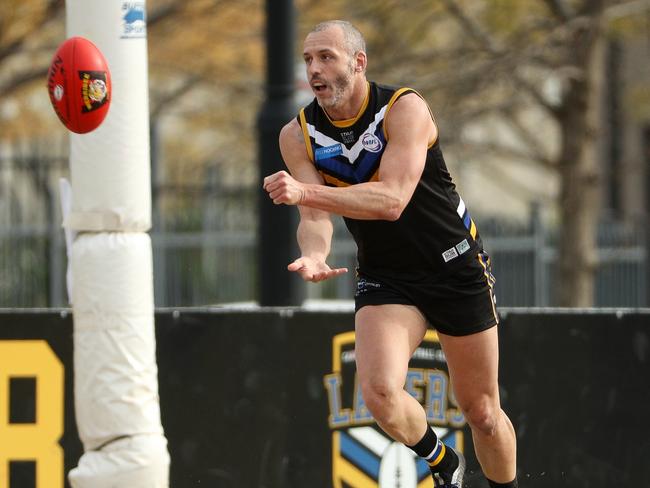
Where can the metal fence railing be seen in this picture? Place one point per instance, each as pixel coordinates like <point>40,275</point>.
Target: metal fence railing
<point>204,247</point>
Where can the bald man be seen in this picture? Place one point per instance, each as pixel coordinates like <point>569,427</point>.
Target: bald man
<point>371,154</point>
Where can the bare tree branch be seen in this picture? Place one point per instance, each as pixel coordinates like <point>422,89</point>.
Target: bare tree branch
<point>592,8</point>
<point>21,79</point>
<point>161,13</point>
<point>560,8</point>
<point>532,142</point>
<point>626,9</point>
<point>484,109</point>
<point>54,8</point>
<point>534,93</point>
<point>175,8</point>
<point>501,175</point>
<point>173,95</point>
<point>472,28</point>
<point>502,150</point>
<point>486,42</point>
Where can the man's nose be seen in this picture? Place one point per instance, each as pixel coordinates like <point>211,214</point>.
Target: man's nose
<point>313,68</point>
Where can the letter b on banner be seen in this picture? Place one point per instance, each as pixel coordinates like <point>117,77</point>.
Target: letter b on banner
<point>37,441</point>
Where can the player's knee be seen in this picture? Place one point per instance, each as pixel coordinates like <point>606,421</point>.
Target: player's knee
<point>482,415</point>
<point>379,398</point>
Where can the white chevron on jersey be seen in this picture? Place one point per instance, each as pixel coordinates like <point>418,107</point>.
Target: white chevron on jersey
<point>461,208</point>
<point>350,154</point>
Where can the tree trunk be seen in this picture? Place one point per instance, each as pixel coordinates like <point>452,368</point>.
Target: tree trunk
<point>580,171</point>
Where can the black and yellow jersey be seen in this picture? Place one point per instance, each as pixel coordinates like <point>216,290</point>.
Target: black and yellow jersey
<point>435,231</point>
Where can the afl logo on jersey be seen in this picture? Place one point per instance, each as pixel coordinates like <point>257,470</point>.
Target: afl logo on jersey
<point>371,143</point>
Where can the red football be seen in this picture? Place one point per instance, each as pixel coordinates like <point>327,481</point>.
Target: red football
<point>79,84</point>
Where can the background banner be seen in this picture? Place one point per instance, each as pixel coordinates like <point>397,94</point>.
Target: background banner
<point>268,399</point>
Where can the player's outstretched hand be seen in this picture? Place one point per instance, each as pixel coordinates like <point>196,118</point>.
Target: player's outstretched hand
<point>282,188</point>
<point>311,269</point>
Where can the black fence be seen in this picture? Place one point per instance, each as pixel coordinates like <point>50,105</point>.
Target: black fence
<point>205,244</point>
<point>267,398</point>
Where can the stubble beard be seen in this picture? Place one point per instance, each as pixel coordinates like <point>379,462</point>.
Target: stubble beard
<point>342,85</point>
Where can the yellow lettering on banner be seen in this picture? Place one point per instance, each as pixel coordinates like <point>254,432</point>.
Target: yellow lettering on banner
<point>37,441</point>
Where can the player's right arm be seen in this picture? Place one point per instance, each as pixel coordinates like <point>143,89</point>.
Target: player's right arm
<point>315,228</point>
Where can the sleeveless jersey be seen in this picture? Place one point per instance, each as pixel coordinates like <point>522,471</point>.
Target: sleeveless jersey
<point>435,233</point>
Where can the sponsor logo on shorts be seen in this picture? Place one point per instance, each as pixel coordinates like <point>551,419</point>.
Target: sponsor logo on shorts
<point>328,152</point>
<point>363,286</point>
<point>371,143</point>
<point>450,254</point>
<point>362,455</point>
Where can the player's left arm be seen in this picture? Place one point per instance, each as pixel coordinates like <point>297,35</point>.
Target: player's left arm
<point>410,129</point>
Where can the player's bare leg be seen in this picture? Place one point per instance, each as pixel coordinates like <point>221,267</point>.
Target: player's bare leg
<point>473,367</point>
<point>386,337</point>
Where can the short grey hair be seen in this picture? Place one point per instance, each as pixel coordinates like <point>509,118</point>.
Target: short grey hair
<point>354,41</point>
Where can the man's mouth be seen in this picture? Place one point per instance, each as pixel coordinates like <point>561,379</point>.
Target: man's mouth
<point>318,86</point>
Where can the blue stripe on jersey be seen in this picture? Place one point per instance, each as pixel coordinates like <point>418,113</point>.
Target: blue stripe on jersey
<point>347,172</point>
<point>359,172</point>
<point>467,220</point>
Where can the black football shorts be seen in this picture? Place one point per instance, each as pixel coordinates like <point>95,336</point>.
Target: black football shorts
<point>462,303</point>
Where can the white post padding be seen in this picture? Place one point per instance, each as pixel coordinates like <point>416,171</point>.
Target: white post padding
<point>135,462</point>
<point>110,169</point>
<point>116,382</point>
<point>65,192</point>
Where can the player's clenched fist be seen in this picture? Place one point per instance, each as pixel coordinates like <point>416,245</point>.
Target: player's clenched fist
<point>282,188</point>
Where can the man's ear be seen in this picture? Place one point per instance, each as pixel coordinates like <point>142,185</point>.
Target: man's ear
<point>361,62</point>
